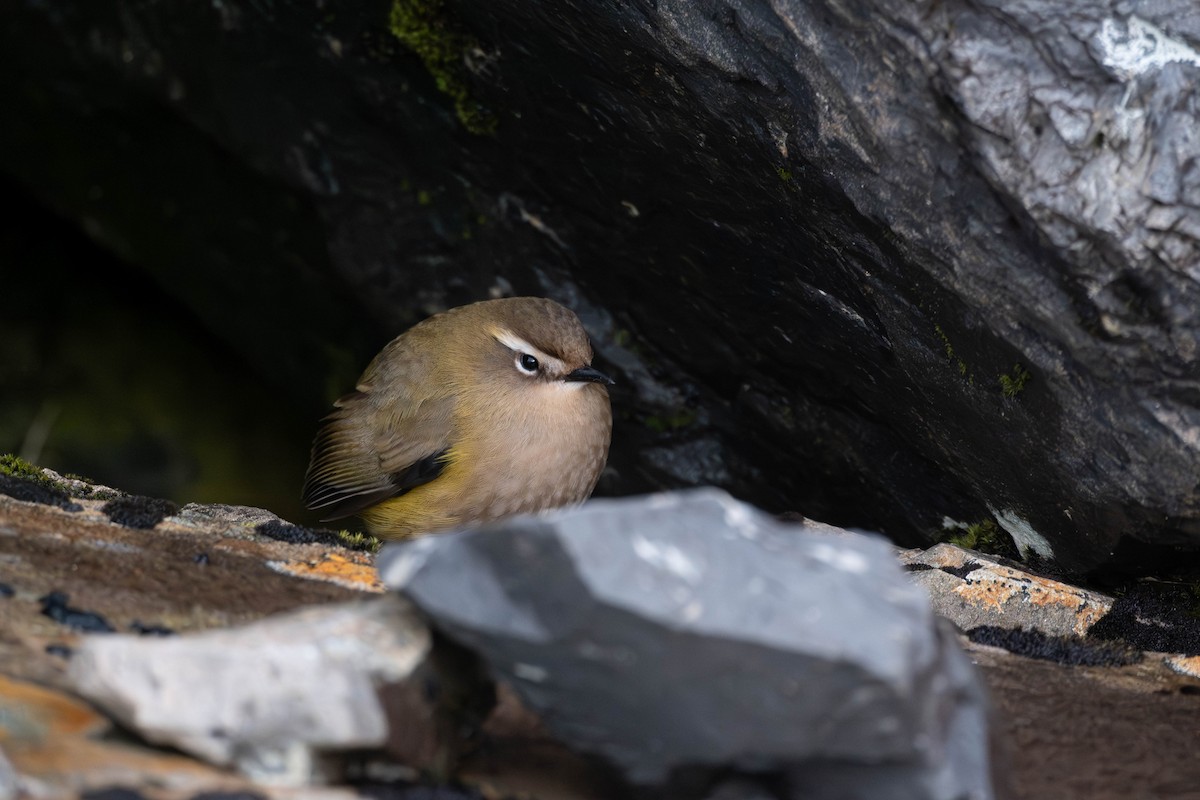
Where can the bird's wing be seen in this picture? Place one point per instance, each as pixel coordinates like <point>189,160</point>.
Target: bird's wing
<point>376,444</point>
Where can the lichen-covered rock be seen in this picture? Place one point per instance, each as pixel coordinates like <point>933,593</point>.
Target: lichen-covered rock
<point>691,633</point>
<point>972,589</point>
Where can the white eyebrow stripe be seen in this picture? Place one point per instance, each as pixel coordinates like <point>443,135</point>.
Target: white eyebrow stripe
<point>519,345</point>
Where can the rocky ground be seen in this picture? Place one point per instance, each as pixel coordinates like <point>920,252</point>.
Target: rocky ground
<point>1076,715</point>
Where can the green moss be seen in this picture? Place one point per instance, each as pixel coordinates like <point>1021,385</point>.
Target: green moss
<point>17,467</point>
<point>951,356</point>
<point>424,198</point>
<point>423,27</point>
<point>355,540</point>
<point>672,421</point>
<point>986,537</point>
<point>1013,384</point>
<point>784,174</point>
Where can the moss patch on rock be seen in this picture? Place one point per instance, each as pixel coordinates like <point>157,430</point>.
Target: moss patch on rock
<point>424,28</point>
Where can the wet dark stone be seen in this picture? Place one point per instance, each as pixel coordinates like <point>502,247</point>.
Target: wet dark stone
<point>54,606</point>
<point>139,512</point>
<point>60,650</point>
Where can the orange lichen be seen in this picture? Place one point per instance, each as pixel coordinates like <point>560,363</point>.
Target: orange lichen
<point>353,572</point>
<point>995,586</point>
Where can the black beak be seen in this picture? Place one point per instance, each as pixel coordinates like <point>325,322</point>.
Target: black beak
<point>589,375</point>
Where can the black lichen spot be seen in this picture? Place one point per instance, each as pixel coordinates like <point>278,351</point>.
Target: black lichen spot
<point>201,559</point>
<point>966,569</point>
<point>139,512</point>
<point>296,534</point>
<point>1153,616</point>
<point>60,650</point>
<point>150,630</point>
<point>6,590</point>
<point>54,606</point>
<point>1069,650</point>
<point>37,492</point>
<point>917,567</point>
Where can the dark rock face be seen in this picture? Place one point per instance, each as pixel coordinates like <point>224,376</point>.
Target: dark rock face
<point>879,263</point>
<point>692,632</point>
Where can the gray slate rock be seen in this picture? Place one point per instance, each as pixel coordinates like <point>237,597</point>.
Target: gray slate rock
<point>690,631</point>
<point>270,697</point>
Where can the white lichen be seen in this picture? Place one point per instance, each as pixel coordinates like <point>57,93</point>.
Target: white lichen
<point>1023,535</point>
<point>1135,47</point>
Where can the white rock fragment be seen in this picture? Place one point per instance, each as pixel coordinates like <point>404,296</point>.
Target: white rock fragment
<point>266,698</point>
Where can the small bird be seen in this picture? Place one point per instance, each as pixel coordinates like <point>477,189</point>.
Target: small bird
<point>477,413</point>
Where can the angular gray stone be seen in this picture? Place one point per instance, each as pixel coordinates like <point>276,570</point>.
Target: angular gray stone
<point>690,631</point>
<point>266,698</point>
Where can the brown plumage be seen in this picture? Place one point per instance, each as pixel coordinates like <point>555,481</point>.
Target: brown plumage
<point>477,413</point>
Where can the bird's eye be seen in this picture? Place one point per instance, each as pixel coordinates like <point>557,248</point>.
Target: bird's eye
<point>527,364</point>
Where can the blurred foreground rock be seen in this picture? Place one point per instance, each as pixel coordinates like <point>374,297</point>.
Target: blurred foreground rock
<point>684,636</point>
<point>523,705</point>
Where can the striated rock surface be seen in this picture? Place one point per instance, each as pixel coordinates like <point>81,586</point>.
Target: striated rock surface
<point>694,634</point>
